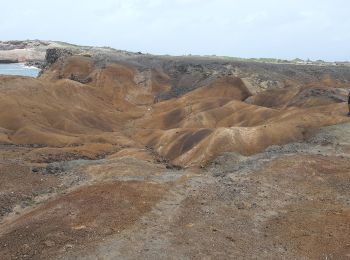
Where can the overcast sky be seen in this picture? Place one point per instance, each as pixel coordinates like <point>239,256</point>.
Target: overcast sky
<point>315,29</point>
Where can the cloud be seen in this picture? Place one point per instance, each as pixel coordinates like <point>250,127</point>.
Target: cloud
<point>254,17</point>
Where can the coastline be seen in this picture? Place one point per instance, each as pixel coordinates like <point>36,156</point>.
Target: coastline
<point>19,69</point>
<point>29,65</point>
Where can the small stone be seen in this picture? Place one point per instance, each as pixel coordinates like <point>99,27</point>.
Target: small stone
<point>68,246</point>
<point>49,243</point>
<point>242,205</point>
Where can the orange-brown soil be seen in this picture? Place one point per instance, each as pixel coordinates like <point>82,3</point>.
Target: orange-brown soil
<point>79,219</point>
<point>171,158</point>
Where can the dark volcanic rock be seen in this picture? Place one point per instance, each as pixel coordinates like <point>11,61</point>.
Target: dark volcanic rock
<point>334,95</point>
<point>36,63</point>
<point>8,61</point>
<point>79,79</point>
<point>52,55</point>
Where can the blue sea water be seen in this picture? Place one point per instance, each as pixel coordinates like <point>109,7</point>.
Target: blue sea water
<point>18,69</point>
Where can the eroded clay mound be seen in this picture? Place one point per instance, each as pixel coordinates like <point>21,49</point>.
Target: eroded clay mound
<point>79,101</point>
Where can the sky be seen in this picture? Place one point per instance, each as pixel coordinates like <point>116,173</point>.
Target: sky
<point>287,29</point>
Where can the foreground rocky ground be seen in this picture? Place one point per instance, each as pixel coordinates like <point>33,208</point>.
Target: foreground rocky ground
<point>131,156</point>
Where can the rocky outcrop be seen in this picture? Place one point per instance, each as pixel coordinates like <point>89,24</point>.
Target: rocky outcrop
<point>52,55</point>
<point>36,63</point>
<point>80,79</point>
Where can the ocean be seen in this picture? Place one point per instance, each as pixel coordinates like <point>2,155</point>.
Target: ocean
<point>18,69</point>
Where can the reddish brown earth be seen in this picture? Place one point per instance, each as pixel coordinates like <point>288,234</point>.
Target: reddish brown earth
<point>145,157</point>
<point>79,219</point>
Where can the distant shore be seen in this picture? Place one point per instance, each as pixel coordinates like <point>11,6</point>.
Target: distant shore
<point>33,52</point>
